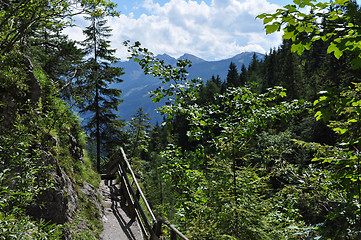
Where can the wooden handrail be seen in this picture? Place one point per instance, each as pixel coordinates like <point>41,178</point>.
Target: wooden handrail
<point>136,183</point>
<point>152,233</point>
<point>134,201</point>
<point>172,228</point>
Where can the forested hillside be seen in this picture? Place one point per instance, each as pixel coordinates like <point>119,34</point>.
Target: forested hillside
<point>272,151</point>
<point>47,182</point>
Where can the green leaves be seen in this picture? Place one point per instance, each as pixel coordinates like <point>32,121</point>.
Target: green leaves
<point>273,27</point>
<point>177,88</point>
<point>340,130</point>
<point>297,24</point>
<point>336,24</point>
<point>335,49</point>
<point>342,2</point>
<point>299,48</point>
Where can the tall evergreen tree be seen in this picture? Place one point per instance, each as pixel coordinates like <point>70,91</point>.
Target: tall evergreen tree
<point>217,80</point>
<point>139,130</point>
<point>97,97</point>
<point>254,63</point>
<point>209,89</point>
<point>290,73</point>
<point>243,75</point>
<point>233,76</point>
<point>270,70</point>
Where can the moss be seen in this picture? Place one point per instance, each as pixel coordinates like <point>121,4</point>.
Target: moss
<point>41,76</point>
<point>91,177</point>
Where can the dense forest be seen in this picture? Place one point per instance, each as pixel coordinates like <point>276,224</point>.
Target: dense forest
<point>270,152</point>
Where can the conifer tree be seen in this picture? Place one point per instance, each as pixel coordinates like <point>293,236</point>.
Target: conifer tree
<point>233,76</point>
<point>217,80</point>
<point>270,70</point>
<point>290,77</point>
<point>209,89</point>
<point>139,131</point>
<point>254,63</point>
<point>243,75</point>
<point>97,97</point>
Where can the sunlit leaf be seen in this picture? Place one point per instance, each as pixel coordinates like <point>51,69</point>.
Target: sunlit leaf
<point>272,28</point>
<point>333,48</point>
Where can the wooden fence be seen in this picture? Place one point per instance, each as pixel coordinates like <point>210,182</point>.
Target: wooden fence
<point>150,225</point>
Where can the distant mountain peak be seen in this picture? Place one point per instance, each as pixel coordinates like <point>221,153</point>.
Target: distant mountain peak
<point>244,54</point>
<point>166,58</point>
<point>242,57</point>
<point>164,55</point>
<point>192,58</point>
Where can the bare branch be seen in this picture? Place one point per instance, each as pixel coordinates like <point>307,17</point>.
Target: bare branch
<point>69,82</point>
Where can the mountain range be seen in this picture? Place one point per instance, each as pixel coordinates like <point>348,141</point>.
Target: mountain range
<point>136,84</point>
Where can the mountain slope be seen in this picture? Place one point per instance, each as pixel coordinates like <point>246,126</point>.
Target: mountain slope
<point>136,85</point>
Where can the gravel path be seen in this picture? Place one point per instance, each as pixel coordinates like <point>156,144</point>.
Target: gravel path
<point>117,224</point>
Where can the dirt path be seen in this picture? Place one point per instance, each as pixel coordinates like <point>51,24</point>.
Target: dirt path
<point>117,224</point>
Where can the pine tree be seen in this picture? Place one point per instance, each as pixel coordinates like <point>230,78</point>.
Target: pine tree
<point>233,76</point>
<point>217,80</point>
<point>243,75</point>
<point>139,130</point>
<point>209,89</point>
<point>270,70</point>
<point>289,74</point>
<point>97,98</point>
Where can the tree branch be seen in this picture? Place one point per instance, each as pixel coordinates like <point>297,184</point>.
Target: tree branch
<point>69,82</point>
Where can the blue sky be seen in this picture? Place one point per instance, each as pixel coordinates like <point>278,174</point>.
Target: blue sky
<point>210,29</point>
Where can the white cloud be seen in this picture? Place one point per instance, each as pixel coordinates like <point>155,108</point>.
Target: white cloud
<point>76,32</point>
<point>218,30</point>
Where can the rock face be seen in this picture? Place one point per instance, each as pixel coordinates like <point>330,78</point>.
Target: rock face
<point>9,108</point>
<point>34,84</point>
<point>75,148</point>
<point>59,203</point>
<point>56,204</point>
<point>89,191</point>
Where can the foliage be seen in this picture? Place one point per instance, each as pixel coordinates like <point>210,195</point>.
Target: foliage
<point>23,177</point>
<point>326,22</point>
<point>179,89</point>
<point>15,227</point>
<point>139,130</point>
<point>216,189</point>
<point>38,134</point>
<point>335,23</point>
<point>238,159</point>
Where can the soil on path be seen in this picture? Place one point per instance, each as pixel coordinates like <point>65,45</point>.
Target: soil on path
<point>117,224</point>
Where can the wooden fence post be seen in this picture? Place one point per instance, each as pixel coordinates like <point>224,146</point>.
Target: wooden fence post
<point>158,228</point>
<point>173,235</point>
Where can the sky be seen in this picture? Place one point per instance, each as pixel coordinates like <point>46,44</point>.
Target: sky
<point>209,29</point>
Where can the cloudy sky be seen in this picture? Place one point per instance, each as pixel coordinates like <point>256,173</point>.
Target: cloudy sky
<point>210,29</point>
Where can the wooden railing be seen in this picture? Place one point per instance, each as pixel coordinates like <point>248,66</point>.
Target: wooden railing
<point>150,225</point>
